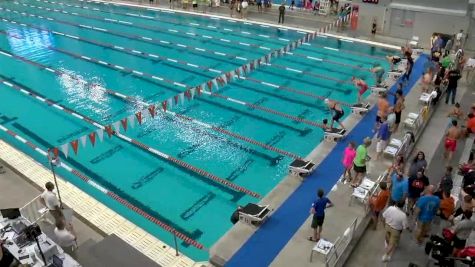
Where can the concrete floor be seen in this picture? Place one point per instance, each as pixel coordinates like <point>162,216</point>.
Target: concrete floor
<point>370,248</point>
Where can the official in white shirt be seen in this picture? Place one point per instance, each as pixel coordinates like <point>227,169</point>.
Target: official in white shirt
<point>395,221</point>
<point>49,199</point>
<point>65,237</point>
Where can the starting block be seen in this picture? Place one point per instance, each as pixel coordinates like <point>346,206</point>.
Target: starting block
<point>426,98</point>
<point>411,122</point>
<point>301,168</point>
<point>395,74</point>
<point>382,88</point>
<point>334,134</point>
<point>360,109</point>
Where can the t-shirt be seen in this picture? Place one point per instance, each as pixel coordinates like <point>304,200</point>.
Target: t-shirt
<point>468,179</point>
<point>428,205</point>
<point>50,199</point>
<point>459,36</point>
<point>471,124</point>
<point>398,188</point>
<point>453,76</point>
<point>381,200</point>
<point>282,9</point>
<point>416,186</point>
<point>348,156</point>
<point>395,218</point>
<point>417,166</point>
<point>64,238</point>
<point>447,206</point>
<point>320,205</point>
<point>361,154</point>
<point>383,132</point>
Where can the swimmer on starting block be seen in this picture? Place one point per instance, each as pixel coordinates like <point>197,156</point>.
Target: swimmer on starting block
<point>378,71</point>
<point>336,111</point>
<point>393,60</point>
<point>330,130</point>
<point>363,87</point>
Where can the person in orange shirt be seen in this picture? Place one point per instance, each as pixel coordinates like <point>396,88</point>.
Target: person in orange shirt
<point>470,123</point>
<point>383,108</point>
<point>447,206</point>
<point>378,203</point>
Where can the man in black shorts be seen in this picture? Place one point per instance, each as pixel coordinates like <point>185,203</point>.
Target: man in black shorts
<point>318,212</point>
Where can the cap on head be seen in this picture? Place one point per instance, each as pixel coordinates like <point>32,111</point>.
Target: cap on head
<point>327,101</point>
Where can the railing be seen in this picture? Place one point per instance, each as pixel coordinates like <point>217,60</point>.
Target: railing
<point>331,259</point>
<point>34,210</point>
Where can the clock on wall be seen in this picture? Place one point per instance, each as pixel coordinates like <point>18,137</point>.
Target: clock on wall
<point>371,1</point>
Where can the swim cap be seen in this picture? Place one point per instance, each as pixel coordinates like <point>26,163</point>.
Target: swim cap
<point>327,100</point>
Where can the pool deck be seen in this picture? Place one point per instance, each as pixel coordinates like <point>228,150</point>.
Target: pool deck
<point>108,222</point>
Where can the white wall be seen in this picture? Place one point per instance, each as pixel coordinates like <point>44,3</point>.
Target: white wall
<point>426,23</point>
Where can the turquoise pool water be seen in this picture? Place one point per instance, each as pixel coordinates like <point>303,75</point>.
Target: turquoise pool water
<point>190,203</point>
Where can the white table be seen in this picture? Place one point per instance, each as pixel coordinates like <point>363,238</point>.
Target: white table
<point>9,236</point>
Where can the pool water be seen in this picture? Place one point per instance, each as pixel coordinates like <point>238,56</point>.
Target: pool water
<point>192,204</point>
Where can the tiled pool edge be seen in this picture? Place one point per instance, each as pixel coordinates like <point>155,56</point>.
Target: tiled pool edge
<point>94,211</point>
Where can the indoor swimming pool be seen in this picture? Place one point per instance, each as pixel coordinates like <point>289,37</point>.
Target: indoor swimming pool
<point>69,68</point>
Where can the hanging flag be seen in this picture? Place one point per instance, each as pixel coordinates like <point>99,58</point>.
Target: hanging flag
<point>116,126</point>
<point>75,145</point>
<point>266,58</point>
<point>131,120</point>
<point>222,80</point>
<point>238,72</point>
<point>151,110</point>
<point>55,152</point>
<point>259,62</point>
<point>83,140</point>
<point>109,130</point>
<point>210,85</point>
<point>215,83</point>
<point>192,92</point>
<point>182,98</point>
<point>92,138</point>
<point>170,103</point>
<point>124,124</point>
<point>252,65</point>
<point>139,117</point>
<point>248,67</point>
<point>187,94</point>
<point>65,149</point>
<point>244,68</point>
<point>100,134</point>
<point>200,87</point>
<point>164,105</point>
<point>227,77</point>
<point>176,99</point>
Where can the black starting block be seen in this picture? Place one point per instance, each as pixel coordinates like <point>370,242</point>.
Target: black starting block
<point>360,109</point>
<point>301,168</point>
<point>395,74</point>
<point>382,88</point>
<point>334,134</point>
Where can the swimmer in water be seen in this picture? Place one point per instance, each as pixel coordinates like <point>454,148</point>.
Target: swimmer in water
<point>378,71</point>
<point>337,112</point>
<point>361,85</point>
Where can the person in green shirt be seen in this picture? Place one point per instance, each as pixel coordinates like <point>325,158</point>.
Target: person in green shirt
<point>359,163</point>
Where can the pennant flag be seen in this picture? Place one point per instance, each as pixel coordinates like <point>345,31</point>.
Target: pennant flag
<point>131,120</point>
<point>100,134</point>
<point>116,126</point>
<point>182,98</point>
<point>199,89</point>
<point>170,103</point>
<point>83,140</point>
<point>215,83</point>
<point>187,94</point>
<point>222,80</point>
<point>176,99</point>
<point>266,58</point>
<point>238,71</point>
<point>259,62</point>
<point>164,105</point>
<point>124,124</point>
<point>65,149</point>
<point>55,152</point>
<point>139,117</point>
<point>227,77</point>
<point>252,65</point>
<point>75,145</point>
<point>244,68</point>
<point>92,138</point>
<point>210,85</point>
<point>192,92</point>
<point>151,110</point>
<point>248,67</point>
<point>109,130</point>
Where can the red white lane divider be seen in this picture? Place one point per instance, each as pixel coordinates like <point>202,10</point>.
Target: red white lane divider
<point>146,27</point>
<point>229,99</point>
<point>183,117</point>
<point>143,146</point>
<point>146,39</point>
<point>91,182</point>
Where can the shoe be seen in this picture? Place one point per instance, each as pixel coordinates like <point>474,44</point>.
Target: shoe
<point>386,258</point>
<point>385,245</point>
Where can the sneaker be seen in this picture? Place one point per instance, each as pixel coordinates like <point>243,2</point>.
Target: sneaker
<point>385,244</point>
<point>386,258</point>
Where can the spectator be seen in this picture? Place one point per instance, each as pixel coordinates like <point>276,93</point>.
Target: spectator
<point>281,12</point>
<point>448,46</point>
<point>391,118</point>
<point>383,137</point>
<point>65,236</point>
<point>292,5</point>
<point>397,166</point>
<point>259,6</point>
<point>418,163</point>
<point>467,205</point>
<point>399,187</point>
<point>318,211</point>
<point>409,67</point>
<point>455,114</point>
<point>452,78</point>
<point>49,199</point>
<point>459,38</point>
<point>395,221</point>
<point>451,137</point>
<point>398,108</point>
<point>232,6</point>
<point>462,231</point>
<point>348,157</point>
<point>359,163</point>
<point>378,203</point>
<point>383,107</point>
<point>426,81</point>
<point>447,206</point>
<point>426,208</point>
<point>416,185</point>
<point>244,8</point>
<point>446,183</point>
<point>470,124</point>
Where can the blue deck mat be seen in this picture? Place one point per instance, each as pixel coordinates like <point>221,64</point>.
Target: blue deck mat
<point>266,243</point>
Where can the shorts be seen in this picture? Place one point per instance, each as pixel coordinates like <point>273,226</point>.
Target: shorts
<point>381,145</point>
<point>338,115</point>
<point>378,119</point>
<point>359,169</point>
<point>195,5</point>
<point>393,234</point>
<point>317,221</point>
<point>450,145</point>
<point>459,243</point>
<point>398,117</point>
<point>363,89</point>
<point>259,4</point>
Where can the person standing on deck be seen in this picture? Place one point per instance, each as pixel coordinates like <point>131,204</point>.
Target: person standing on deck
<point>359,163</point>
<point>398,108</point>
<point>281,12</point>
<point>336,111</point>
<point>409,67</point>
<point>318,212</point>
<point>452,78</point>
<point>453,134</point>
